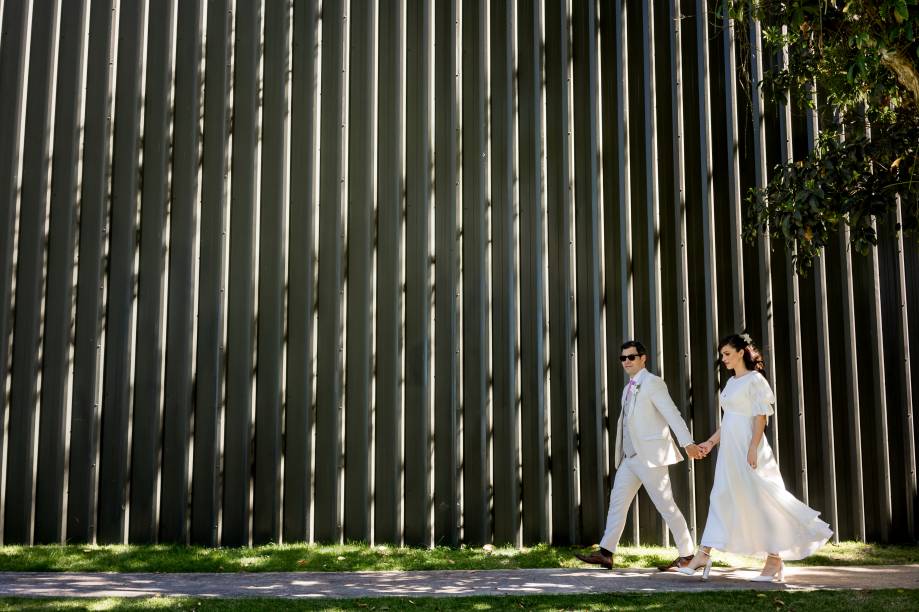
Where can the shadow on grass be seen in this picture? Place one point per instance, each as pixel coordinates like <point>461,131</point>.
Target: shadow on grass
<point>361,557</point>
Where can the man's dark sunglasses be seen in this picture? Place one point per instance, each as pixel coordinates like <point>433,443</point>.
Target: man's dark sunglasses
<point>623,358</point>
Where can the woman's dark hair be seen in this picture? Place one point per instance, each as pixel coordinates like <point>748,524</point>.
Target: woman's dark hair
<point>751,355</point>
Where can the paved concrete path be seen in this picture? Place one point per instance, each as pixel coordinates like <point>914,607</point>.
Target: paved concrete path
<point>441,583</point>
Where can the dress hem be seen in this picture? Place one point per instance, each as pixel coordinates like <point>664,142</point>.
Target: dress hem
<point>789,554</point>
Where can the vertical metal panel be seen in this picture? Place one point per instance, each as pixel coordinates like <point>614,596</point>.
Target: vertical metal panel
<point>746,153</point>
<point>590,360</point>
<point>877,386</point>
<point>209,360</point>
<point>644,518</point>
<point>763,246</point>
<point>532,262</point>
<point>828,463</point>
<point>852,395</point>
<point>732,155</point>
<point>835,317</point>
<point>911,270</point>
<point>476,459</point>
<point>795,367</point>
<point>446,277</point>
<point>240,316</point>
<point>652,179</point>
<point>359,319</point>
<point>825,381</point>
<point>617,213</point>
<point>17,526</point>
<point>785,418</point>
<point>674,288</point>
<point>388,422</point>
<point>12,74</point>
<point>722,137</point>
<point>904,388</point>
<point>896,451</point>
<point>84,418</point>
<point>113,442</point>
<point>617,242</point>
<point>558,204</point>
<point>418,382</point>
<point>266,505</point>
<point>504,303</point>
<point>327,526</point>
<point>635,140</point>
<point>667,141</point>
<point>658,528</point>
<point>49,488</point>
<point>897,392</point>
<point>360,269</point>
<point>298,414</point>
<point>148,343</point>
<point>702,279</point>
<point>183,230</point>
<point>810,357</point>
<point>705,168</point>
<point>895,345</point>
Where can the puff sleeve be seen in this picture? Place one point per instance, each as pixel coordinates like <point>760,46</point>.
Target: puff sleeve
<point>761,397</point>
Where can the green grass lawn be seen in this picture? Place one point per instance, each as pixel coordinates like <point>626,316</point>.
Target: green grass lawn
<point>831,601</point>
<point>356,557</point>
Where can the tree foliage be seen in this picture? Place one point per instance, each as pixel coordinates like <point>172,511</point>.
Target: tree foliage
<point>863,58</point>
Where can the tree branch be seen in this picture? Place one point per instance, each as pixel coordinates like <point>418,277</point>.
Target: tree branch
<point>905,71</point>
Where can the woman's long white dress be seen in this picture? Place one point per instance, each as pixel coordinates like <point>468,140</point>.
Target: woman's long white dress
<point>750,511</point>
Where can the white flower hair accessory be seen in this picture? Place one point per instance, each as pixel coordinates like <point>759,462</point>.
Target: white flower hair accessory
<point>746,338</point>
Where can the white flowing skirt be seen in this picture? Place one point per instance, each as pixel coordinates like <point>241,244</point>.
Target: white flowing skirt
<point>750,511</point>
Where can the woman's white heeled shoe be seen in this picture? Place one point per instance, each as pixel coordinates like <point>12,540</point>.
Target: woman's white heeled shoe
<point>777,576</point>
<point>706,569</point>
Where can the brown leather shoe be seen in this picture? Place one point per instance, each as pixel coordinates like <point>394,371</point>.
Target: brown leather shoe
<point>675,564</point>
<point>597,558</point>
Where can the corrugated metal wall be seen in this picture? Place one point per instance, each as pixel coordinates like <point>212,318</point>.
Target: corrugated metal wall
<point>278,271</point>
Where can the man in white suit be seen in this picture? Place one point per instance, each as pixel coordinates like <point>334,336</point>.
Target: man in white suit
<point>644,450</point>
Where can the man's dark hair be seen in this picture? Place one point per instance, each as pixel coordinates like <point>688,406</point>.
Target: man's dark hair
<point>638,346</point>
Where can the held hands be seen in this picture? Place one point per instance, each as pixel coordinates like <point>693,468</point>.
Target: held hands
<point>701,450</point>
<point>695,451</point>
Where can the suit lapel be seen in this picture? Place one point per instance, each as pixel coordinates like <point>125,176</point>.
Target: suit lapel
<point>626,411</point>
<point>628,403</point>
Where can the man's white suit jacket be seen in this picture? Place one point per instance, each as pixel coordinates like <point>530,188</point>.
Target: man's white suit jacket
<point>651,418</point>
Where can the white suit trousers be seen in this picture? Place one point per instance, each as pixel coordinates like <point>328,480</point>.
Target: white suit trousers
<point>631,475</point>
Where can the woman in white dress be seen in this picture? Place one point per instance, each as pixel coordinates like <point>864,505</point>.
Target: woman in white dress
<point>750,511</point>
